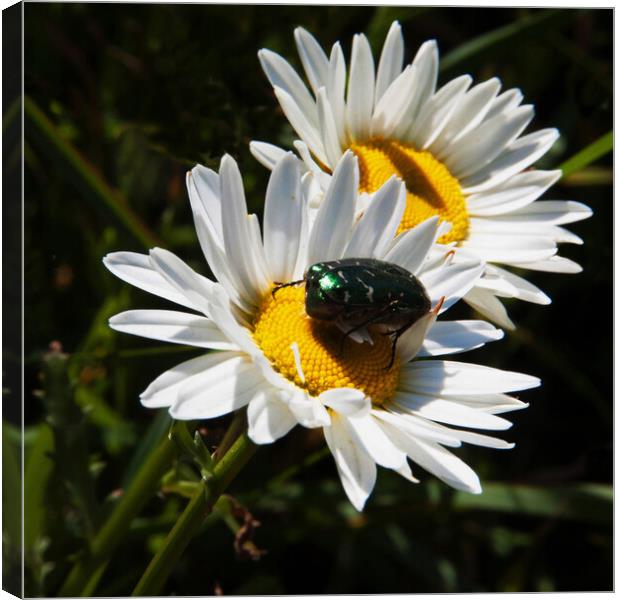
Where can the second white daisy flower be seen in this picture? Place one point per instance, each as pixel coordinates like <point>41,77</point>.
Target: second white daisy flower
<point>459,149</point>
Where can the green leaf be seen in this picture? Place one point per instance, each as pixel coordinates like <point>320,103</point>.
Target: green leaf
<point>588,502</point>
<point>589,154</point>
<point>11,489</point>
<point>37,471</point>
<point>488,41</point>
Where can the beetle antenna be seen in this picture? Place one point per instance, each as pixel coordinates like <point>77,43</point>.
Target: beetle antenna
<point>279,286</point>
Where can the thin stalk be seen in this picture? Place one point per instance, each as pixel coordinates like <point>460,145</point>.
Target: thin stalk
<point>111,534</point>
<point>237,425</point>
<point>54,144</point>
<point>199,507</point>
<point>588,155</point>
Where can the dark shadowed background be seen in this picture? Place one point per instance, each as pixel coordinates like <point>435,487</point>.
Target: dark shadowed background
<point>121,101</point>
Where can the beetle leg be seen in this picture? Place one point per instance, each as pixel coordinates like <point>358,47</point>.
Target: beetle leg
<point>370,321</point>
<point>396,334</point>
<point>279,286</point>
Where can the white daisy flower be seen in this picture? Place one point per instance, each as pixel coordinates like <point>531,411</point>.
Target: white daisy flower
<point>459,149</point>
<point>289,369</point>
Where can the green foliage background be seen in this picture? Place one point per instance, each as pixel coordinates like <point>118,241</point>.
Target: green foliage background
<point>122,101</point>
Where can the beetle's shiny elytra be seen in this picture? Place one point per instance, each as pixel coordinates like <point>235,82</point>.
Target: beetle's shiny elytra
<point>359,292</point>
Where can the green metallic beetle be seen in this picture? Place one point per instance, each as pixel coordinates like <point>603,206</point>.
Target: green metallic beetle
<point>358,292</point>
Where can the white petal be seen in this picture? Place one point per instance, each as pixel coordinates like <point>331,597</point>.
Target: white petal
<point>425,67</point>
<point>391,61</point>
<point>204,193</point>
<point>438,461</point>
<point>491,403</point>
<point>426,62</point>
<point>411,340</point>
<point>137,270</point>
<point>361,91</point>
<point>237,238</point>
<point>283,219</point>
<point>441,377</point>
<point>321,176</point>
<point>555,264</point>
<point>309,190</point>
<point>266,154</point>
<point>281,75</point>
<point>192,285</point>
<point>489,306</point>
<point>392,109</point>
<point>514,194</point>
<point>332,226</point>
<point>552,212</point>
<point>445,411</point>
<point>346,401</point>
<point>221,267</point>
<point>522,289</point>
<point>329,131</point>
<point>172,326</point>
<point>503,248</point>
<point>305,128</point>
<point>164,390</point>
<point>416,427</point>
<point>487,441</point>
<point>452,280</point>
<point>436,112</point>
<point>269,418</point>
<point>481,146</point>
<point>356,468</point>
<point>518,156</point>
<point>219,390</point>
<point>448,337</point>
<point>468,115</point>
<point>313,58</point>
<point>410,249</point>
<point>257,250</point>
<point>221,311</point>
<point>335,90</point>
<point>367,433</point>
<point>375,230</point>
<point>308,410</point>
<point>505,102</point>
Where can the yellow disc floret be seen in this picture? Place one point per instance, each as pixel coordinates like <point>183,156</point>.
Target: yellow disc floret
<point>282,321</point>
<point>431,188</point>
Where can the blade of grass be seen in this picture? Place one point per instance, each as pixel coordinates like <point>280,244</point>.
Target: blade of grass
<point>590,176</point>
<point>588,155</point>
<point>489,40</point>
<point>51,141</point>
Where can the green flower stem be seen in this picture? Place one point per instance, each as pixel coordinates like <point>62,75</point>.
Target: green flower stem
<point>193,516</point>
<point>111,534</point>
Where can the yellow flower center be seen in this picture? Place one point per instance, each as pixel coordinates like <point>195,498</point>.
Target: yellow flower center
<point>282,321</point>
<point>431,188</point>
